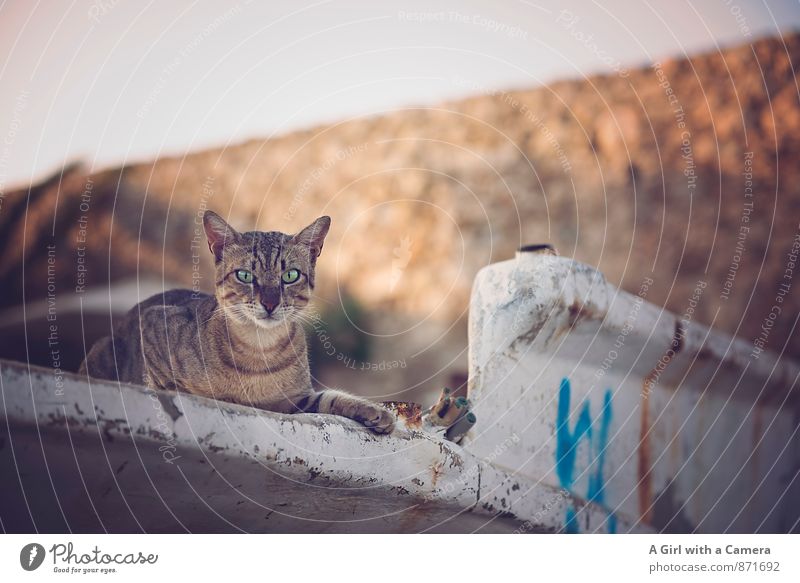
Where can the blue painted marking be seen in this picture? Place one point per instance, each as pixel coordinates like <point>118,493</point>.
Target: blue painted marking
<point>567,441</point>
<point>596,482</point>
<point>567,447</point>
<point>571,522</point>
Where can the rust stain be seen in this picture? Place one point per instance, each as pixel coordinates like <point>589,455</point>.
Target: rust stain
<point>675,444</point>
<point>436,471</point>
<point>410,413</point>
<point>645,489</point>
<point>578,312</point>
<point>758,430</point>
<point>758,425</point>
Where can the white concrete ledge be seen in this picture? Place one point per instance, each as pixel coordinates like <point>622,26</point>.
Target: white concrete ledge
<point>96,456</point>
<point>659,419</point>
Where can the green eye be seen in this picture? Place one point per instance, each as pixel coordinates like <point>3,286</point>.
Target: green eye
<point>244,276</point>
<point>290,276</point>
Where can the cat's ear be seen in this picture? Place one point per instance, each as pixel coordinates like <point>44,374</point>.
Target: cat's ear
<point>218,232</point>
<point>314,235</point>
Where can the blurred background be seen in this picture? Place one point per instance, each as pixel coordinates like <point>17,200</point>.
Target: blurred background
<point>649,140</point>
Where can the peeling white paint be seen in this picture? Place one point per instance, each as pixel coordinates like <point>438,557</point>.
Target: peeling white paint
<point>705,440</point>
<point>124,458</point>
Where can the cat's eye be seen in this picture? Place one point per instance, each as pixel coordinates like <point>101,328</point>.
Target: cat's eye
<point>290,275</point>
<point>244,276</point>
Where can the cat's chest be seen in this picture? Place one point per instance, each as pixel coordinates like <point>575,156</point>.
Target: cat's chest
<point>279,367</point>
<point>264,358</point>
<point>217,363</point>
<point>261,385</point>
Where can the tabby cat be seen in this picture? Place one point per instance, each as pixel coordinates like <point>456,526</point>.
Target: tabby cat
<point>244,344</point>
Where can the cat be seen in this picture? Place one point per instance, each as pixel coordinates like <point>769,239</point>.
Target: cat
<point>246,343</point>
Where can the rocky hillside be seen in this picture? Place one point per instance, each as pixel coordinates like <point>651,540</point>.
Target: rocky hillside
<point>683,171</point>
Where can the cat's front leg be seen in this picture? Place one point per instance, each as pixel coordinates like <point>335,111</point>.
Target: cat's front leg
<point>335,402</point>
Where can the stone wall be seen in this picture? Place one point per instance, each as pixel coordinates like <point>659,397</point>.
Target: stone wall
<point>681,172</point>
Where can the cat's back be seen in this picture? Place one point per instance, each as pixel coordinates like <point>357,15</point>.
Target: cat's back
<point>173,297</point>
<point>171,309</point>
<point>119,356</point>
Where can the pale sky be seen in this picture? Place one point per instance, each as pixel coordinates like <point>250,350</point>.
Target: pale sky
<point>110,81</point>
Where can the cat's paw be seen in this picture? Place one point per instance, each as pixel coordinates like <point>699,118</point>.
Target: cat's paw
<point>376,418</point>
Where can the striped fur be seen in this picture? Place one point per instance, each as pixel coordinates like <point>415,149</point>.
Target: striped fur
<point>244,344</point>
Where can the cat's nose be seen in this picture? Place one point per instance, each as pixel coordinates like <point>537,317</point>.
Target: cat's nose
<point>270,298</point>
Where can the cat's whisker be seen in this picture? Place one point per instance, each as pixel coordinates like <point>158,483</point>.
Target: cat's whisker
<point>217,310</point>
<point>299,316</point>
<point>321,299</point>
<point>310,317</point>
<point>307,322</point>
